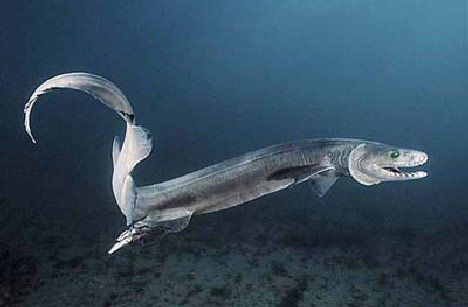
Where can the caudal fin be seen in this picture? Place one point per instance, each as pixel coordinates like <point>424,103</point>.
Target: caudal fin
<point>136,147</point>
<point>100,88</point>
<point>137,143</point>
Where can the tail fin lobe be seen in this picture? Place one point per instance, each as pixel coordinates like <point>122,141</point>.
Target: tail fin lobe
<point>136,147</point>
<point>100,88</point>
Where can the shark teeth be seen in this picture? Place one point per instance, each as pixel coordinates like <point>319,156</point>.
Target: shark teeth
<point>395,172</point>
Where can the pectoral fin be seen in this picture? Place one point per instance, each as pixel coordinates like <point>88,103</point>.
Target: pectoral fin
<point>322,183</point>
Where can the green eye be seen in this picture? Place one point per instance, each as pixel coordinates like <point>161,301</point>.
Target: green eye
<point>394,154</point>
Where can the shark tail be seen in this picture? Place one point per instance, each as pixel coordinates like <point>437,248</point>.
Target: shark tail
<point>100,88</point>
<point>136,147</point>
<point>137,144</point>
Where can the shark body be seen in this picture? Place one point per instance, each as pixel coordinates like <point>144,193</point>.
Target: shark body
<point>169,206</point>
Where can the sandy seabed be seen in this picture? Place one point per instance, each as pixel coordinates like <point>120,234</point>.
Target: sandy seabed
<point>262,255</point>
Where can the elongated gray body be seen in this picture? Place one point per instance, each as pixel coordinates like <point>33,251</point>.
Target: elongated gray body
<point>168,206</point>
<point>247,177</point>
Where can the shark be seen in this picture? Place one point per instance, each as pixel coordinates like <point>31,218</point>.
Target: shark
<point>168,206</point>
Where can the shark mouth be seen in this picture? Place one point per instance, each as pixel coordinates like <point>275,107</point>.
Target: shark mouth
<point>395,172</point>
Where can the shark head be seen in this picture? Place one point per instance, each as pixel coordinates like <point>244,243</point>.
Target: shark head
<point>372,163</point>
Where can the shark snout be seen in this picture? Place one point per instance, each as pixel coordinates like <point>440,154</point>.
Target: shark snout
<point>415,158</point>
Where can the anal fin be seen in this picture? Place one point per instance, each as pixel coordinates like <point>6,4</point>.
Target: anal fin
<point>163,222</point>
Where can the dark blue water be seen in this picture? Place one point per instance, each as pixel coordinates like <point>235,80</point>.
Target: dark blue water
<point>212,80</point>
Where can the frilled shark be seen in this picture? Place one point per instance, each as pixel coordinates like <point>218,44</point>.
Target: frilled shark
<point>168,206</point>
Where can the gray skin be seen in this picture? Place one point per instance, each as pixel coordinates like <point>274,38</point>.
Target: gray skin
<point>168,206</point>
<point>247,177</point>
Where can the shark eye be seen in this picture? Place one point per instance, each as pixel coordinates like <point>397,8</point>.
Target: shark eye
<point>394,154</point>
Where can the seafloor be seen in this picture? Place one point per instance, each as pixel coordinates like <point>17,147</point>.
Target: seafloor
<point>290,249</point>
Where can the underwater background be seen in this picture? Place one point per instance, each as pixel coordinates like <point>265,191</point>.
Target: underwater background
<point>212,80</point>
